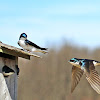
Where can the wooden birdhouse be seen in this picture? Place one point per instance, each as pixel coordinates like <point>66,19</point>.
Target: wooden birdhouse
<point>9,70</point>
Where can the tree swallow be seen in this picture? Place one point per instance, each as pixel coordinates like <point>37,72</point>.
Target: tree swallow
<point>87,67</point>
<point>30,46</point>
<point>7,71</point>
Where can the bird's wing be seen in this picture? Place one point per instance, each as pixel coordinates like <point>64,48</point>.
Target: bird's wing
<point>93,78</point>
<point>76,76</point>
<point>32,44</point>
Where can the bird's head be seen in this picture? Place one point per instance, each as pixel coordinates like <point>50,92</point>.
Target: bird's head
<point>74,61</point>
<point>23,35</point>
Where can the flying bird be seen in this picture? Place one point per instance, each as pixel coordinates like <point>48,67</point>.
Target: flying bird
<point>30,46</point>
<point>87,67</point>
<point>7,71</point>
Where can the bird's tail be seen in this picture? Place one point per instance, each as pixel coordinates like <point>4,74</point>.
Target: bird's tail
<point>44,52</point>
<point>44,48</point>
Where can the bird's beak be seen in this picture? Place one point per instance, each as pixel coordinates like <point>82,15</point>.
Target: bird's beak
<point>97,64</point>
<point>71,62</point>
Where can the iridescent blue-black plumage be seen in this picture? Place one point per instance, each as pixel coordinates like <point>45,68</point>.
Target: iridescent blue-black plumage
<point>86,66</point>
<point>30,46</point>
<point>24,35</point>
<point>27,42</point>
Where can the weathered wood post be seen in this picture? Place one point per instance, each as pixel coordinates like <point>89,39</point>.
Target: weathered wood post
<point>9,57</point>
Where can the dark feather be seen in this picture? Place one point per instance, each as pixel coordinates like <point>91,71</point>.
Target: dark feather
<point>33,44</point>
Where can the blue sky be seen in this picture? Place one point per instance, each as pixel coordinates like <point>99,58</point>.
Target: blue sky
<point>51,21</point>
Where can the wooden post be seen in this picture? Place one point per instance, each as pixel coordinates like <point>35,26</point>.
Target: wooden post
<point>9,57</point>
<point>11,81</point>
<point>4,92</point>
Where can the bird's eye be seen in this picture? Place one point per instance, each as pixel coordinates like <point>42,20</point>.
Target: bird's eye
<point>71,60</point>
<point>80,63</point>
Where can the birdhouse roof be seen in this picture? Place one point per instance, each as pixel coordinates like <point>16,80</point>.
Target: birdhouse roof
<point>11,50</point>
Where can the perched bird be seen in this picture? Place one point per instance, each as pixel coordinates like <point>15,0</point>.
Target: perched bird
<point>30,46</point>
<point>87,67</point>
<point>7,71</point>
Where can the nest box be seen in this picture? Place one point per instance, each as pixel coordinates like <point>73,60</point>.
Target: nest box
<point>9,62</point>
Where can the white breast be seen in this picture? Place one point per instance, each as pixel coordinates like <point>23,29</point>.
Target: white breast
<point>26,47</point>
<point>21,43</point>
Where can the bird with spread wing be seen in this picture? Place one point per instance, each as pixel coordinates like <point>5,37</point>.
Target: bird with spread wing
<point>87,67</point>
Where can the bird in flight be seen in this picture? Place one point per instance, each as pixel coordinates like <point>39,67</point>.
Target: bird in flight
<point>87,67</point>
<point>30,46</point>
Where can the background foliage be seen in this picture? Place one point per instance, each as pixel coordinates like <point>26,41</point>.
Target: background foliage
<point>49,78</point>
